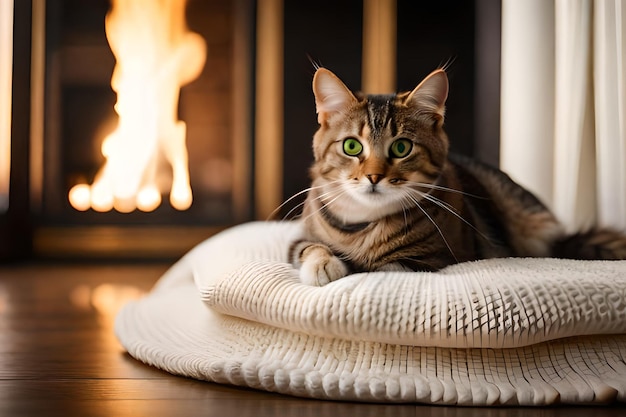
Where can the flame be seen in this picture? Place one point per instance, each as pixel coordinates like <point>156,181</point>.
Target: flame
<point>155,56</point>
<point>6,83</point>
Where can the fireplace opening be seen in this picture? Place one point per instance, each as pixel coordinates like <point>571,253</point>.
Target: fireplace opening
<point>156,54</point>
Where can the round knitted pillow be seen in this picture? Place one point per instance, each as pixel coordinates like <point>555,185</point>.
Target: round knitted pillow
<point>493,332</point>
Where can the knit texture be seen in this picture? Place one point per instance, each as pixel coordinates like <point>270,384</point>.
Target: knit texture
<point>505,331</point>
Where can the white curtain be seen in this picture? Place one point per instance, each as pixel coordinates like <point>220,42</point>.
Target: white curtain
<point>564,106</point>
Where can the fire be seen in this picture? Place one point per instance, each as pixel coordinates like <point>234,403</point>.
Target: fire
<point>155,56</point>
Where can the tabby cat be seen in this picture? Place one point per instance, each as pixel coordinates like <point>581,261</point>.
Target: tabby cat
<point>387,195</point>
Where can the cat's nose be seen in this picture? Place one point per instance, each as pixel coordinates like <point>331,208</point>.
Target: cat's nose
<point>374,178</point>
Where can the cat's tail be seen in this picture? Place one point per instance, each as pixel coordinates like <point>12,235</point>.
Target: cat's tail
<point>607,244</point>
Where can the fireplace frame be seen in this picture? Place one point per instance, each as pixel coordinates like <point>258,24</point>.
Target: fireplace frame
<point>26,222</point>
<point>277,110</point>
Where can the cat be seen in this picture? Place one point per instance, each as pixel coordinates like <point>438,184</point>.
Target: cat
<point>387,195</point>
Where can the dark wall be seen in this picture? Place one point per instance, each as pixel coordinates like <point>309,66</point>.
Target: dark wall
<point>327,32</point>
<point>487,85</point>
<point>430,34</point>
<point>15,222</point>
<point>436,33</point>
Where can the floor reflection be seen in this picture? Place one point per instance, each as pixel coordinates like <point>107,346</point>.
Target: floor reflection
<point>106,299</point>
<point>4,301</point>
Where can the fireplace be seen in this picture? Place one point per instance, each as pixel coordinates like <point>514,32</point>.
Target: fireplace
<point>140,136</point>
<point>246,116</point>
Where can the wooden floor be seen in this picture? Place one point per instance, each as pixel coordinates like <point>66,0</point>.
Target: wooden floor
<point>59,356</point>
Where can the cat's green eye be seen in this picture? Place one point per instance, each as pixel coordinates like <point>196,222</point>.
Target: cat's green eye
<point>352,147</point>
<point>400,148</point>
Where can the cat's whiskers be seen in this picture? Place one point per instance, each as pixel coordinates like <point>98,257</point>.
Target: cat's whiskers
<point>335,193</point>
<point>418,205</point>
<point>295,208</point>
<point>432,187</point>
<point>443,204</point>
<point>299,193</point>
<point>446,206</point>
<point>319,197</point>
<point>405,208</point>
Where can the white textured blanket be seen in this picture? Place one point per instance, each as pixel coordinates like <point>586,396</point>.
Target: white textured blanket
<point>505,331</point>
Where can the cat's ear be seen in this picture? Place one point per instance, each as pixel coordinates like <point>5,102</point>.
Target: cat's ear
<point>431,94</point>
<point>331,95</point>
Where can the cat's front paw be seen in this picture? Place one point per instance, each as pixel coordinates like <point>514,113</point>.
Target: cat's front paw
<point>319,266</point>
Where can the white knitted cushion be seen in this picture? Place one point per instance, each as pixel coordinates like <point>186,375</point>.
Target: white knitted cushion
<point>502,331</point>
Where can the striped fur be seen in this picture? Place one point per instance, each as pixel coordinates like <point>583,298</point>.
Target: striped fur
<point>395,198</point>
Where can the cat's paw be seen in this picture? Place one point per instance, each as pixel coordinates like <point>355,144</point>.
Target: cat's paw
<point>319,266</point>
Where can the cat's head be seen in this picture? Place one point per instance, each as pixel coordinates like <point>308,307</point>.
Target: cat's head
<point>373,151</point>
